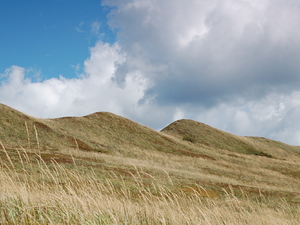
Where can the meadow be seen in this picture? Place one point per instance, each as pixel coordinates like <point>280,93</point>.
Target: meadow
<point>105,169</point>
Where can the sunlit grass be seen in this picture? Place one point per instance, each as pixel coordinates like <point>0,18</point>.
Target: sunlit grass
<point>50,193</point>
<point>105,169</point>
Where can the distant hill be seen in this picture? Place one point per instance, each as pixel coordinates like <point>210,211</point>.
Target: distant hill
<point>99,132</point>
<point>107,132</point>
<point>203,135</point>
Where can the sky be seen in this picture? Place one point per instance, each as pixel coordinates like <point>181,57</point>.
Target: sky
<point>232,64</point>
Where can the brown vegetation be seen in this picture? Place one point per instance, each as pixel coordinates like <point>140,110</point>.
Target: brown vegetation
<point>105,169</point>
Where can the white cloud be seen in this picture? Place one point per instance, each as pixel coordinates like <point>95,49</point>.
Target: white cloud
<point>216,57</point>
<point>274,116</point>
<point>94,91</point>
<point>240,43</point>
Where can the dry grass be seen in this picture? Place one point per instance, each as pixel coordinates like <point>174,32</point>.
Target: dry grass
<point>105,169</point>
<point>53,194</point>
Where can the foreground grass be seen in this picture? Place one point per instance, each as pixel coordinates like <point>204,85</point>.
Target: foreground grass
<point>52,193</point>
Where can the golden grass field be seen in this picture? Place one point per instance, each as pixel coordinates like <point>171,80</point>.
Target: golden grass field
<point>105,169</point>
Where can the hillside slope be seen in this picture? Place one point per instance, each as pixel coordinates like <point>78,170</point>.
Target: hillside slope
<point>100,132</point>
<point>107,132</point>
<point>191,153</point>
<point>203,135</point>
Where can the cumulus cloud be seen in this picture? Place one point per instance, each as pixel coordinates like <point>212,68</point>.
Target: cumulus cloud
<point>92,91</point>
<point>204,58</point>
<point>231,64</point>
<point>210,51</point>
<point>274,116</point>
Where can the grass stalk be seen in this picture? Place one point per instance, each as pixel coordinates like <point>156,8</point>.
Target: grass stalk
<point>28,137</point>
<point>36,136</point>
<point>7,156</point>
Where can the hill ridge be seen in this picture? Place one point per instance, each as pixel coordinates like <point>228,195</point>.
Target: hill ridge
<point>107,132</point>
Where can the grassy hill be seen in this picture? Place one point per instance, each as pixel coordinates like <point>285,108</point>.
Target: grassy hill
<point>203,135</point>
<point>186,167</point>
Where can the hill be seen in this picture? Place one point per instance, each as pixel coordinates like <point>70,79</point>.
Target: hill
<point>99,132</point>
<point>106,132</point>
<point>203,135</point>
<point>185,158</point>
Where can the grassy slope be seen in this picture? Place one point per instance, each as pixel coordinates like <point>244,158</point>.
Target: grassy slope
<point>191,153</point>
<point>203,135</point>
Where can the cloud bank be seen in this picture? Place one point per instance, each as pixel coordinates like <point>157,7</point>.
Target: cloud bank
<point>231,64</point>
<point>78,96</point>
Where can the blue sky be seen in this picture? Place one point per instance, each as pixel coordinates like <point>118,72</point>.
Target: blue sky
<point>51,36</point>
<point>232,64</point>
